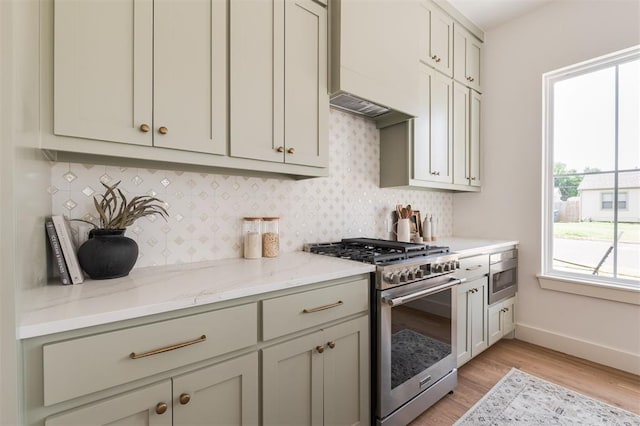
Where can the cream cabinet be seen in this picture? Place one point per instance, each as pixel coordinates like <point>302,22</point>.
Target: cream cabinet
<point>223,394</point>
<point>142,72</point>
<point>466,59</point>
<point>435,38</point>
<point>321,378</point>
<point>502,319</point>
<point>278,85</point>
<point>466,136</point>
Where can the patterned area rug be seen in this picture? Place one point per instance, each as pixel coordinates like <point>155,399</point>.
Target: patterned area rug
<point>412,353</point>
<point>522,399</point>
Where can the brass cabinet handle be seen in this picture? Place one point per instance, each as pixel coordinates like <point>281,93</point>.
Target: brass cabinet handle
<point>331,344</point>
<point>291,150</point>
<point>185,398</point>
<point>161,408</point>
<point>280,149</point>
<point>473,178</point>
<point>134,355</point>
<point>473,268</point>
<point>163,130</point>
<point>320,349</point>
<point>322,308</point>
<point>144,128</point>
<point>438,60</point>
<point>435,173</point>
<point>434,57</point>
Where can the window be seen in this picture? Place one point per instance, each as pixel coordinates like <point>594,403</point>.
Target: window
<point>592,171</point>
<point>607,200</point>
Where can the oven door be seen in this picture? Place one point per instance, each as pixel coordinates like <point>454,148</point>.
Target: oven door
<point>416,338</point>
<point>503,280</point>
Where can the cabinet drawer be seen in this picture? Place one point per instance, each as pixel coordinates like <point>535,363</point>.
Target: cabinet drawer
<point>81,366</point>
<point>475,266</point>
<point>286,314</point>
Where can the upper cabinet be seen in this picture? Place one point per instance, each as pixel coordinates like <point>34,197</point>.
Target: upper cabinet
<point>122,73</point>
<point>467,56</point>
<point>466,135</point>
<point>148,80</point>
<point>436,38</point>
<point>279,104</point>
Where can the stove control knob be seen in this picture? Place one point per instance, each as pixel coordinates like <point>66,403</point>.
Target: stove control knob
<point>411,275</point>
<point>395,279</point>
<point>403,277</point>
<point>419,273</point>
<point>387,277</point>
<point>457,264</point>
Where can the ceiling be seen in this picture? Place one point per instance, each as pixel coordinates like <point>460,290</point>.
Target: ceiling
<point>488,14</point>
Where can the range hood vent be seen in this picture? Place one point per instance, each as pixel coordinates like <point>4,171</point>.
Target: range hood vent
<point>356,105</point>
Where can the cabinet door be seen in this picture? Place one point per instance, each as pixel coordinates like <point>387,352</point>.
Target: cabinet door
<point>292,382</point>
<point>478,318</point>
<point>223,394</point>
<point>463,321</point>
<point>460,118</point>
<point>440,146</point>
<point>494,325</point>
<point>138,408</point>
<point>256,64</point>
<point>306,100</point>
<point>509,316</point>
<point>190,75</point>
<point>103,70</point>
<point>432,137</point>
<point>441,42</point>
<point>467,55</point>
<point>475,154</point>
<point>346,373</point>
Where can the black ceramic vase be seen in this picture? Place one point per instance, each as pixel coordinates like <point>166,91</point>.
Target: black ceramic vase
<point>107,254</point>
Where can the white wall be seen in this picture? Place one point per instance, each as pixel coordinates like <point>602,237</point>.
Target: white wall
<point>509,207</point>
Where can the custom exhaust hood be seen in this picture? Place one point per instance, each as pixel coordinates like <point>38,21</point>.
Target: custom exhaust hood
<point>374,65</point>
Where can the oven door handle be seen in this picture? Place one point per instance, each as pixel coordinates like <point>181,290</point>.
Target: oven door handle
<point>395,301</point>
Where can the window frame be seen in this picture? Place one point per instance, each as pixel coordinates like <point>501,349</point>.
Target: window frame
<point>549,277</point>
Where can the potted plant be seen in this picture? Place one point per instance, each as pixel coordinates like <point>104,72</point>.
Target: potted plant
<point>108,253</point>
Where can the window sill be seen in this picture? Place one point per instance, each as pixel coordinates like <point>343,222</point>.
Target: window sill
<point>614,292</point>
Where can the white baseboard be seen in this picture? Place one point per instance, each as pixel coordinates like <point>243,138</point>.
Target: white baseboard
<point>611,357</point>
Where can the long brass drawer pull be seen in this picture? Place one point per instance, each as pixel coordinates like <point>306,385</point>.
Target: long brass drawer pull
<point>322,308</point>
<point>134,355</point>
<point>473,268</point>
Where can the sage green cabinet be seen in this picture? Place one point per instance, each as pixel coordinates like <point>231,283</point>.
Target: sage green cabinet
<point>223,394</point>
<point>433,149</point>
<point>472,319</point>
<point>466,136</point>
<point>467,56</point>
<point>435,38</point>
<point>149,406</point>
<point>142,72</point>
<point>279,103</point>
<point>321,378</point>
<point>502,319</point>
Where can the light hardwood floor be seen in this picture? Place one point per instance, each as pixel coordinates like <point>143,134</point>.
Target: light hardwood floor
<point>477,376</point>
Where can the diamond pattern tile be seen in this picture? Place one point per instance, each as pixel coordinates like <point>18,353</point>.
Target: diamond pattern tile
<point>206,210</point>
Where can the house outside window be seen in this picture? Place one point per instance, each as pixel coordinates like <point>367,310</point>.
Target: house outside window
<point>607,200</point>
<point>591,189</point>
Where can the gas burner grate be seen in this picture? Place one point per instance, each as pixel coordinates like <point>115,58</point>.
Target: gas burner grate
<point>375,251</point>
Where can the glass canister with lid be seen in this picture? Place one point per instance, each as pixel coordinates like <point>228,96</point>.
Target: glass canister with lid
<point>252,237</point>
<point>270,236</point>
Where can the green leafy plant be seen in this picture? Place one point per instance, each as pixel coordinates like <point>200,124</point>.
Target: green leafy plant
<point>116,212</point>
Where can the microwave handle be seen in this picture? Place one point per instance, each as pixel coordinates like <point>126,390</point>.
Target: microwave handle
<point>417,295</point>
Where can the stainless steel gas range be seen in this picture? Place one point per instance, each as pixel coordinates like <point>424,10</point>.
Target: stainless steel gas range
<point>413,323</point>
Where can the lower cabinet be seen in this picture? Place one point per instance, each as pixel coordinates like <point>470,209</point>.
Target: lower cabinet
<point>222,394</point>
<point>502,319</point>
<point>321,378</point>
<point>472,319</point>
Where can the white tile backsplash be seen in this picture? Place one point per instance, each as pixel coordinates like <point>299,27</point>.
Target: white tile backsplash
<point>206,210</point>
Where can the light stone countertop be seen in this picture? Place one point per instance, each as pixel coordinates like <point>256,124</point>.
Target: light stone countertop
<point>472,246</point>
<point>147,291</point>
